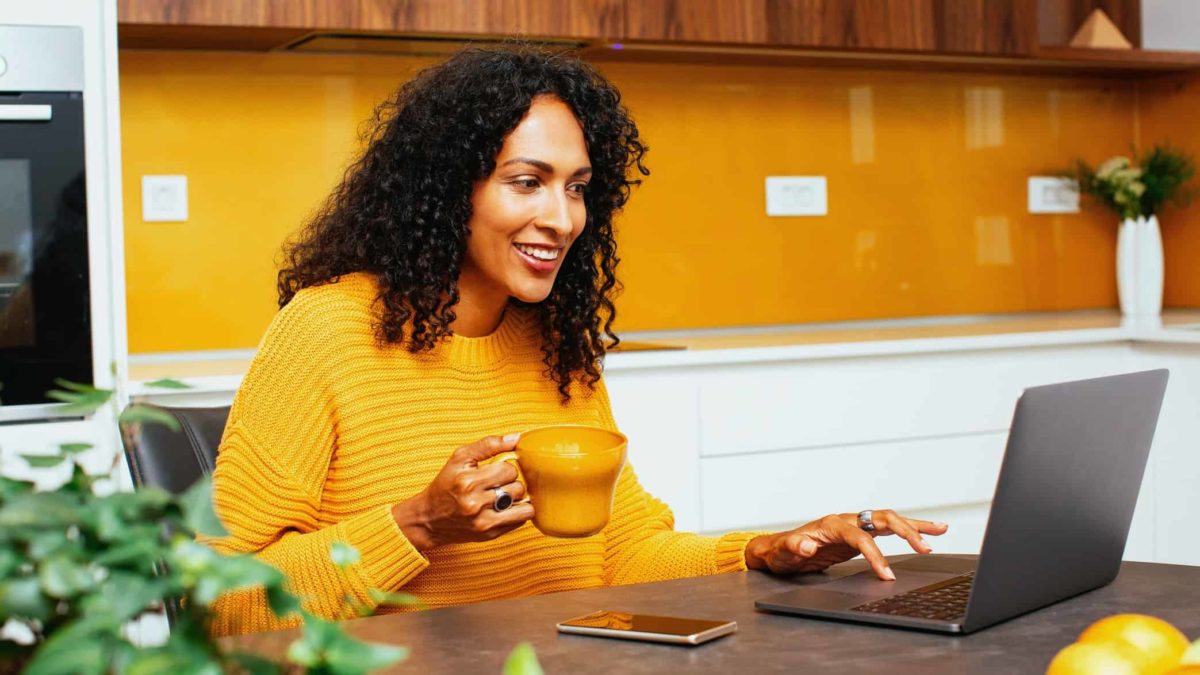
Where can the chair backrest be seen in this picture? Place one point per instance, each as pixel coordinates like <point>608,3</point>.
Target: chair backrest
<point>175,460</point>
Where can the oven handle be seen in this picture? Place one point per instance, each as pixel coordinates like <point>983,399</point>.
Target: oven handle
<point>24,113</point>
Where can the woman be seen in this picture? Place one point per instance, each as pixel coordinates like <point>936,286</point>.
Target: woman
<point>455,290</point>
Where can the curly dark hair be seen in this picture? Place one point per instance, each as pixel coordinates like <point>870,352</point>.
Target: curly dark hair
<point>402,209</point>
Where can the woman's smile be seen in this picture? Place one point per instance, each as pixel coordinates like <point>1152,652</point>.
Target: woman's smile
<point>540,258</point>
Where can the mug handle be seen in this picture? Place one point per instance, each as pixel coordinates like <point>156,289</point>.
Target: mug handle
<point>511,458</point>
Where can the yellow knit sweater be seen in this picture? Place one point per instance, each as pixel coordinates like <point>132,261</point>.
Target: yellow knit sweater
<point>329,430</point>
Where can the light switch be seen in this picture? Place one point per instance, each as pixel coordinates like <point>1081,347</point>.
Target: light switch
<point>164,199</point>
<point>1049,194</point>
<point>796,196</point>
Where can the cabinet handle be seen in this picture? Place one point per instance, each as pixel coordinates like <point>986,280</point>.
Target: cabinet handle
<point>24,113</point>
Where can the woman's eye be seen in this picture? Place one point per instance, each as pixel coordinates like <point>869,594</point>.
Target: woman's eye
<point>526,183</point>
<point>578,188</point>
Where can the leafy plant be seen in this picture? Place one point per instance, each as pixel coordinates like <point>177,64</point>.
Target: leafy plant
<point>1138,187</point>
<point>79,562</point>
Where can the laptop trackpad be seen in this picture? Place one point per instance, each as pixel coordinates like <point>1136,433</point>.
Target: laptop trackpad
<point>910,575</point>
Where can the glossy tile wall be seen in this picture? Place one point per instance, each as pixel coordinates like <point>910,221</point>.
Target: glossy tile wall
<point>1169,110</point>
<point>926,171</point>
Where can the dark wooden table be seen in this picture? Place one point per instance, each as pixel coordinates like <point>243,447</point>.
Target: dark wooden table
<point>478,638</point>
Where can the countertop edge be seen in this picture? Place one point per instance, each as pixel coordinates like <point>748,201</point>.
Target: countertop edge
<point>646,360</point>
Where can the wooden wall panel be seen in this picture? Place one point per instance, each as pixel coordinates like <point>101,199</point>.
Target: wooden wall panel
<point>1058,20</point>
<point>546,18</point>
<point>957,26</point>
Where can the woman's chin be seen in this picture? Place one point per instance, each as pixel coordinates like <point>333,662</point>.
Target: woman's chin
<point>532,294</point>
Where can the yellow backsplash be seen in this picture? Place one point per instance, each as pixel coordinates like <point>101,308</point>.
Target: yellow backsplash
<point>927,189</point>
<point>1168,111</point>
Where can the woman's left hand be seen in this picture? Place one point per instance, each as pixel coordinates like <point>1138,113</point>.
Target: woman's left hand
<point>834,539</point>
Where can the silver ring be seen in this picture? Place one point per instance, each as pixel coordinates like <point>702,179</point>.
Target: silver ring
<point>866,521</point>
<point>502,500</point>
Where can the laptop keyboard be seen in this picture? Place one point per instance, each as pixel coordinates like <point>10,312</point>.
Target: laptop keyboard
<point>943,601</point>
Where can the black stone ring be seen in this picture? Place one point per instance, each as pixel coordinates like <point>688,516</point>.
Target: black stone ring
<point>502,501</point>
<point>866,520</point>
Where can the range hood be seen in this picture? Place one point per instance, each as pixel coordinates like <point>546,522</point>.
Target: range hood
<point>406,45</point>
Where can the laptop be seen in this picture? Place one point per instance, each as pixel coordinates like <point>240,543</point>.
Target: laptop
<point>1059,519</point>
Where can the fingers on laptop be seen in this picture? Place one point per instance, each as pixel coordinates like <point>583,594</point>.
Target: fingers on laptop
<point>911,529</point>
<point>866,545</point>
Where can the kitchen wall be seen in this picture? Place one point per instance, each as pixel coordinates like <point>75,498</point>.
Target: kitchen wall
<point>927,175</point>
<point>1168,112</point>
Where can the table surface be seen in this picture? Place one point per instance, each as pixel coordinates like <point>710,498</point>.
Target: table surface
<point>477,638</point>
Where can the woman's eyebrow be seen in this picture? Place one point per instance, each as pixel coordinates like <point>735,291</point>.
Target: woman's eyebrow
<point>542,166</point>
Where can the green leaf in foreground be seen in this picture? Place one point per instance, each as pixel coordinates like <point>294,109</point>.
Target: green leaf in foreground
<point>397,599</point>
<point>522,661</point>
<point>325,648</point>
<point>43,461</point>
<point>343,554</point>
<point>74,448</point>
<point>198,512</point>
<point>80,398</point>
<point>168,383</point>
<point>136,414</point>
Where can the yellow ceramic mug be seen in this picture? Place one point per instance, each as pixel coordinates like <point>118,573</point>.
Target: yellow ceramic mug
<point>570,472</point>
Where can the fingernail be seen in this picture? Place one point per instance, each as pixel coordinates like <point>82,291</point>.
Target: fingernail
<point>512,438</point>
<point>808,547</point>
<point>942,524</point>
<point>889,574</point>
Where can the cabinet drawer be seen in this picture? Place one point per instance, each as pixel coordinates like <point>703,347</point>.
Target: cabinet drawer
<point>772,488</point>
<point>851,401</point>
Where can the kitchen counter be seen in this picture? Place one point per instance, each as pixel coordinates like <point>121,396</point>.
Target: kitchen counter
<point>222,371</point>
<point>477,638</point>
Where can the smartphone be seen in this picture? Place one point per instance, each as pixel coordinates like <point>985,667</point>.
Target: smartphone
<point>647,628</point>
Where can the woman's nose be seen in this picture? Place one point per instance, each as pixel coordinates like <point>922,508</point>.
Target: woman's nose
<point>556,215</point>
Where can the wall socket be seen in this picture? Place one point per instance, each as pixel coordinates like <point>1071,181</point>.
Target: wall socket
<point>796,196</point>
<point>164,199</point>
<point>1050,194</point>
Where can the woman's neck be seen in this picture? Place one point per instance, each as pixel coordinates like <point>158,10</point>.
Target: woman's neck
<point>480,307</point>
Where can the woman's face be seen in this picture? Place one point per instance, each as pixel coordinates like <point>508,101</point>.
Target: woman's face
<point>529,211</point>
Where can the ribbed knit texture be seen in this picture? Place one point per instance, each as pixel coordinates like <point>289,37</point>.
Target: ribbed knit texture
<point>330,429</point>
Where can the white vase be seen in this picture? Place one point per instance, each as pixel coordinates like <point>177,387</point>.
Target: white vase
<point>1140,267</point>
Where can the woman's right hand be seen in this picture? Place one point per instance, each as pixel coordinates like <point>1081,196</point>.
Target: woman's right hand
<point>457,506</point>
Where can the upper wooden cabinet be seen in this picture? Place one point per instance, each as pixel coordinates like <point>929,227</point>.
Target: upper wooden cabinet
<point>1015,35</point>
<point>587,19</point>
<point>953,26</point>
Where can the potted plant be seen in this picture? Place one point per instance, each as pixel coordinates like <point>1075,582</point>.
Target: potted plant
<point>1136,189</point>
<point>80,561</point>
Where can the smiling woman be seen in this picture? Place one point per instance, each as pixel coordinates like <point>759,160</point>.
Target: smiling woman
<point>525,216</point>
<point>455,291</point>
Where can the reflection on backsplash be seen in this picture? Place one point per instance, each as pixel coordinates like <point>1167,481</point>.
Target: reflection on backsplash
<point>926,171</point>
<point>1167,110</point>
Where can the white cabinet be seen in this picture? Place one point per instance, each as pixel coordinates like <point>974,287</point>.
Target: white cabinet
<point>770,445</point>
<point>732,442</point>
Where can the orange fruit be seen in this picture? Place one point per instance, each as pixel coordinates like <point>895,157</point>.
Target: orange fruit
<point>1097,658</point>
<point>1192,655</point>
<point>1158,641</point>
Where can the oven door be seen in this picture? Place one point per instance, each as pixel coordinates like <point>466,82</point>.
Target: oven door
<point>45,312</point>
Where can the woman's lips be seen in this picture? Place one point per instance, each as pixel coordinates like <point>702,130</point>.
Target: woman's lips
<point>537,264</point>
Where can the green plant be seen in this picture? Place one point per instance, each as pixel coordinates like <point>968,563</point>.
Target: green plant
<point>78,562</point>
<point>1138,187</point>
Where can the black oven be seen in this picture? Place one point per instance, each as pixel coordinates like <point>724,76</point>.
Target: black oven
<point>45,298</point>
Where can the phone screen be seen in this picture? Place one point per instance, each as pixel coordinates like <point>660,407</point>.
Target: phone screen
<point>644,623</point>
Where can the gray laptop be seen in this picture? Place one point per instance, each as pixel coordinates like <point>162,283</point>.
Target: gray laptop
<point>1064,500</point>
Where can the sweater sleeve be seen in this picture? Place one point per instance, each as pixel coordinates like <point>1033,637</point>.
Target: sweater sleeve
<point>641,543</point>
<point>271,469</point>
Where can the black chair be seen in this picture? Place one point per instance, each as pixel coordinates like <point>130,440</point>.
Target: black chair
<point>175,460</point>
